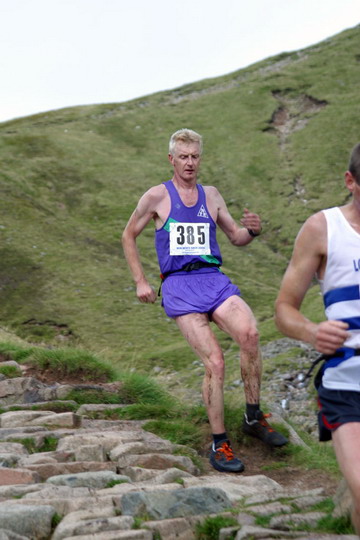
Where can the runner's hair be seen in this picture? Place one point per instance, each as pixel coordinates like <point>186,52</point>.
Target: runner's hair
<point>186,136</point>
<point>354,164</point>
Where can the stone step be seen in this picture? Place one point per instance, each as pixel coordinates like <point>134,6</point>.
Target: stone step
<point>104,478</point>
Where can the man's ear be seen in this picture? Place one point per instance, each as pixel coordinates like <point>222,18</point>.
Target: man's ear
<point>349,181</point>
<point>171,159</point>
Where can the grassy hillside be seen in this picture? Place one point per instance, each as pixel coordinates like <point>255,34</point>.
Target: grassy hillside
<point>277,139</point>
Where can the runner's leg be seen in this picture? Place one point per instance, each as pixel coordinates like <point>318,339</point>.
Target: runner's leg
<point>196,329</point>
<point>346,441</point>
<point>236,319</point>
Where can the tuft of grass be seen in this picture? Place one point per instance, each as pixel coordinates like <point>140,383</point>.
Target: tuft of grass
<point>263,521</point>
<point>12,351</point>
<point>335,525</point>
<point>144,411</point>
<point>210,528</point>
<point>49,444</point>
<point>55,521</point>
<point>67,361</point>
<point>54,406</point>
<point>95,396</point>
<point>177,431</point>
<point>316,456</point>
<point>138,388</point>
<point>74,362</point>
<point>113,483</point>
<point>10,371</point>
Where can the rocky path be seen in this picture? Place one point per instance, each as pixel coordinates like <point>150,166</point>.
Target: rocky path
<point>64,475</point>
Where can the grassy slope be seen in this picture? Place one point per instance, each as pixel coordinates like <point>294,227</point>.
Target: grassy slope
<point>70,179</point>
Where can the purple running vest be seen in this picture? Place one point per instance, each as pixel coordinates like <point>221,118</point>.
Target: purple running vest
<point>189,234</point>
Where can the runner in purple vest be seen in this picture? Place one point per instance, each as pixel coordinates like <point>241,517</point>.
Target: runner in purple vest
<point>195,291</point>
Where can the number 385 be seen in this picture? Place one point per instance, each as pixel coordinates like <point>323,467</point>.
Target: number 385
<point>190,235</point>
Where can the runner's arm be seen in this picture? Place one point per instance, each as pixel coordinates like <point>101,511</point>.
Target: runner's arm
<point>142,215</point>
<point>238,236</point>
<point>309,250</point>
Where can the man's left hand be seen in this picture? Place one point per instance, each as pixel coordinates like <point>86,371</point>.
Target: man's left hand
<point>251,221</point>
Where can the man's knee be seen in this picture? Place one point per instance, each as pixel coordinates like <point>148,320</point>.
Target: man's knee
<point>215,367</point>
<point>249,338</point>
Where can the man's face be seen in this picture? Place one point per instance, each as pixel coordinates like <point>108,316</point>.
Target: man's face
<point>186,160</point>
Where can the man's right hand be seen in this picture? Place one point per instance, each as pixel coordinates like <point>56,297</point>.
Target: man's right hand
<point>145,293</point>
<point>330,335</point>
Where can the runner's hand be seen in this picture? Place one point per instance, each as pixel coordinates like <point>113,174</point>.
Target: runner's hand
<point>145,293</point>
<point>251,221</point>
<point>330,335</point>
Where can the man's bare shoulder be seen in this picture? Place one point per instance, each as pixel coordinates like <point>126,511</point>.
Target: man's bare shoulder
<point>157,191</point>
<point>312,236</point>
<point>211,190</point>
<point>212,194</point>
<point>153,195</point>
<point>315,224</point>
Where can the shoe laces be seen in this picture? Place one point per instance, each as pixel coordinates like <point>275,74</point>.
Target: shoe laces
<point>226,449</point>
<point>264,423</point>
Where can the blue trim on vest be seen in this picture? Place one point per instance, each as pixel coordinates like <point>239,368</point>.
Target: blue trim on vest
<point>342,354</point>
<point>342,295</point>
<point>353,322</point>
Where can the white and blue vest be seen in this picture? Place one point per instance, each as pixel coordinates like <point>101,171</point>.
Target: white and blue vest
<point>341,293</point>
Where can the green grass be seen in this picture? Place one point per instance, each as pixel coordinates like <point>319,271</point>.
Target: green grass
<point>70,179</point>
<point>49,444</point>
<point>83,396</point>
<point>327,524</point>
<point>210,528</point>
<point>10,371</point>
<point>62,362</point>
<point>177,431</point>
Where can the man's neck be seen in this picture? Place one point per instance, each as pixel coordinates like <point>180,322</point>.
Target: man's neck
<point>183,184</point>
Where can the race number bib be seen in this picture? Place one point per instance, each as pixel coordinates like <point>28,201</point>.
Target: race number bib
<point>190,239</point>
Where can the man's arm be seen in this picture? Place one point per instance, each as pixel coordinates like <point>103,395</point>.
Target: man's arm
<point>238,236</point>
<point>308,256</point>
<point>142,215</point>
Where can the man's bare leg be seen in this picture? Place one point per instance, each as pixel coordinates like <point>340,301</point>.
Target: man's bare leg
<point>346,441</point>
<point>236,319</point>
<point>196,329</point>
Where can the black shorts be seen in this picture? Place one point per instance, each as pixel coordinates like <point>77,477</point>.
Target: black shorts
<point>337,407</point>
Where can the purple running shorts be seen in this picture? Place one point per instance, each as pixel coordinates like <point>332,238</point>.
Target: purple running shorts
<point>198,291</point>
<point>337,407</point>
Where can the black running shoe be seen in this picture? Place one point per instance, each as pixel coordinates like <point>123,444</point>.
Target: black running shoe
<point>260,429</point>
<point>222,458</point>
